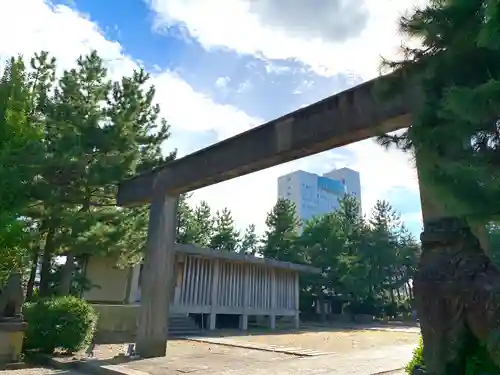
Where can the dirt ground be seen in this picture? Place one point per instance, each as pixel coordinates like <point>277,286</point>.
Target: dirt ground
<point>333,341</point>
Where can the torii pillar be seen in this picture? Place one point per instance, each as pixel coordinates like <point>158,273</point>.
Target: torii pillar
<point>157,279</point>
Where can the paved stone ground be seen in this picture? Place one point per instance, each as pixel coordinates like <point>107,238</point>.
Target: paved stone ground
<point>303,352</point>
<point>317,341</point>
<point>210,359</point>
<point>38,371</point>
<point>367,357</point>
<point>220,360</point>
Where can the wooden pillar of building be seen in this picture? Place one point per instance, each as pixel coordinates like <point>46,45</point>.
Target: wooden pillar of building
<point>157,277</point>
<point>214,294</point>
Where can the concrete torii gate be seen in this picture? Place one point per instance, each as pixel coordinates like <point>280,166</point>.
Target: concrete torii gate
<point>344,118</point>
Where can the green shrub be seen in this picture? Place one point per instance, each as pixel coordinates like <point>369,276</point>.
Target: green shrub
<point>478,363</point>
<point>66,323</point>
<point>417,358</point>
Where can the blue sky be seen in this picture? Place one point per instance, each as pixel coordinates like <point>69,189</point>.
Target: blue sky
<point>223,66</point>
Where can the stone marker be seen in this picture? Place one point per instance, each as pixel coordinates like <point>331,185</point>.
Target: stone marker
<point>12,324</point>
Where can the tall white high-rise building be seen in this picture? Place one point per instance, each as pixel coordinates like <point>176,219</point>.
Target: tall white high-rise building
<point>351,179</point>
<point>318,195</point>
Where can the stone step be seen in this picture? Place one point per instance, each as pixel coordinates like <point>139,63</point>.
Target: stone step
<point>182,326</point>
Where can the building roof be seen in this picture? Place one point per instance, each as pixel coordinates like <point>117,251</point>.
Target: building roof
<point>236,257</point>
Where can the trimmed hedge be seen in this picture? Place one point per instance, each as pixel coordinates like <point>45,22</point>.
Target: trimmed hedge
<point>65,323</point>
<point>478,363</point>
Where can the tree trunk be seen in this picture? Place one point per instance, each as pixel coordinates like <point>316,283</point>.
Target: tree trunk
<point>48,251</point>
<point>323,309</point>
<point>68,268</point>
<point>64,288</point>
<point>31,280</point>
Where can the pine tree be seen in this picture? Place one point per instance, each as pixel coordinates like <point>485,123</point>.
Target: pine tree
<point>454,130</point>
<point>225,236</point>
<point>322,246</point>
<point>185,216</point>
<point>20,150</point>
<point>250,242</point>
<point>203,225</point>
<point>383,259</point>
<point>281,236</point>
<point>96,133</point>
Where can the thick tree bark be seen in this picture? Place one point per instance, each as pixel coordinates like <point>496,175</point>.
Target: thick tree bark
<point>480,231</point>
<point>31,280</point>
<point>456,295</point>
<point>48,251</point>
<point>455,288</point>
<point>68,268</point>
<point>391,293</point>
<point>157,277</point>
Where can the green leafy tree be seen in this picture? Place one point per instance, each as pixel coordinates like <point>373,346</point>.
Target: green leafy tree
<point>203,225</point>
<point>454,131</point>
<point>281,236</point>
<point>357,243</point>
<point>322,246</point>
<point>383,261</point>
<point>454,128</point>
<point>250,241</point>
<point>225,236</point>
<point>409,255</point>
<point>185,221</point>
<point>494,240</point>
<point>97,132</point>
<point>20,149</point>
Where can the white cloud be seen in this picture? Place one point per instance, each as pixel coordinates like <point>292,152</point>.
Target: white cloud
<point>222,82</point>
<point>331,36</point>
<point>380,170</point>
<point>244,87</point>
<point>186,109</point>
<point>66,34</point>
